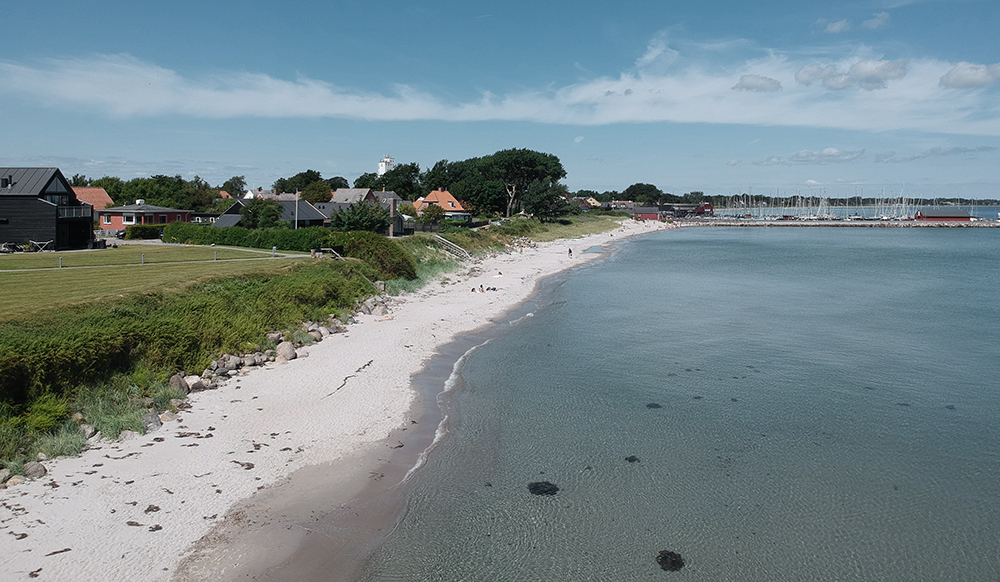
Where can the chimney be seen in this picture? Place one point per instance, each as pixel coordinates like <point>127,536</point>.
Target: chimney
<point>140,201</point>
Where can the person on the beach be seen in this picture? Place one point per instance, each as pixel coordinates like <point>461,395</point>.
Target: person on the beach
<point>571,253</point>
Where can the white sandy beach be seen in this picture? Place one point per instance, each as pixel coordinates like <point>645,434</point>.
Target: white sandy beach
<point>168,505</point>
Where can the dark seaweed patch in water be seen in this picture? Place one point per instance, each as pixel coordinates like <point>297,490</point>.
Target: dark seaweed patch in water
<point>902,404</point>
<point>733,400</point>
<point>653,405</point>
<point>950,406</point>
<point>670,561</point>
<point>542,488</point>
<point>697,397</point>
<point>632,459</point>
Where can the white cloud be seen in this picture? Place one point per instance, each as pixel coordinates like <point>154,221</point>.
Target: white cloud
<point>813,183</point>
<point>970,76</point>
<point>935,152</point>
<point>877,21</point>
<point>658,56</point>
<point>734,162</point>
<point>123,86</point>
<point>838,27</point>
<point>811,158</point>
<point>757,84</point>
<point>578,139</point>
<point>867,74</point>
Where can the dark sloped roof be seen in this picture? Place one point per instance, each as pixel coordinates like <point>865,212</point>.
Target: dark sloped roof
<point>29,181</point>
<point>227,220</point>
<point>141,208</point>
<point>306,211</point>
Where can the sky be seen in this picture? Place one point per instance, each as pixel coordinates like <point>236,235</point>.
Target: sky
<point>775,97</point>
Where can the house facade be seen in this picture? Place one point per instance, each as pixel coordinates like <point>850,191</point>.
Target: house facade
<point>298,213</point>
<point>38,205</point>
<point>122,217</point>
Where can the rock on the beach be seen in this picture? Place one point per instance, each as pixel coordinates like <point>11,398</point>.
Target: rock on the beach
<point>15,480</point>
<point>177,381</point>
<point>543,488</point>
<point>285,350</point>
<point>151,421</point>
<point>671,561</point>
<point>275,336</point>
<point>127,435</point>
<point>87,430</point>
<point>301,353</point>
<point>168,416</point>
<point>316,335</point>
<point>4,475</point>
<point>34,470</point>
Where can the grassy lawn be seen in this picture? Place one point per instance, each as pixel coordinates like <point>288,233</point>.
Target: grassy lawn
<point>582,225</point>
<point>117,272</point>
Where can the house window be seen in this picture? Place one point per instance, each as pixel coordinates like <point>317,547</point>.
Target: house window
<point>451,204</point>
<point>128,219</point>
<point>163,219</point>
<point>106,218</point>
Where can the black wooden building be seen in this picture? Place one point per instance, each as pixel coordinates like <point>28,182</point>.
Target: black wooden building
<point>38,205</point>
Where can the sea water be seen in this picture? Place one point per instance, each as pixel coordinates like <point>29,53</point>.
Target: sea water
<point>797,404</point>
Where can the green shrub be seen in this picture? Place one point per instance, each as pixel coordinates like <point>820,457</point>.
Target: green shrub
<point>284,238</point>
<point>143,231</point>
<point>13,442</point>
<point>45,414</point>
<point>385,255</point>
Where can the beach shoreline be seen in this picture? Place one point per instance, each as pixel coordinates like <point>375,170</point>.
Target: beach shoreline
<point>224,490</point>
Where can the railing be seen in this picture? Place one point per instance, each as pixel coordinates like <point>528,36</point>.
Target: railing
<point>82,211</point>
<point>453,248</point>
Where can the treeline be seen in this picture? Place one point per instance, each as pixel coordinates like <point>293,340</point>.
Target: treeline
<point>167,191</point>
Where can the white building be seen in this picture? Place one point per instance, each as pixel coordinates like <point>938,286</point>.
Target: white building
<point>385,164</point>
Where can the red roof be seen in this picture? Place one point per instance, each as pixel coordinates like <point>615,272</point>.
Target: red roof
<point>442,198</point>
<point>96,197</point>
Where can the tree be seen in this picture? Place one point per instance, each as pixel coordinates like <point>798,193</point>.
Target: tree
<point>646,194</point>
<point>235,186</point>
<point>432,213</point>
<point>318,191</point>
<point>298,182</point>
<point>694,197</point>
<point>546,201</point>
<point>337,182</point>
<point>79,180</point>
<point>368,180</point>
<point>260,213</point>
<point>407,209</point>
<point>364,215</point>
<point>516,169</point>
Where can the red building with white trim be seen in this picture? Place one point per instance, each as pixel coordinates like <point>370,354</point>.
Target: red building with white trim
<point>121,217</point>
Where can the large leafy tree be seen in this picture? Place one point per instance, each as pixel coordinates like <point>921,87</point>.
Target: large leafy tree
<point>646,194</point>
<point>404,180</point>
<point>364,215</point>
<point>235,186</point>
<point>260,213</point>
<point>546,200</point>
<point>298,182</point>
<point>337,182</point>
<point>318,191</point>
<point>516,169</point>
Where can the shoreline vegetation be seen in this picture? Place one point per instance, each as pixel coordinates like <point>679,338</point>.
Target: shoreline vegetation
<point>72,362</point>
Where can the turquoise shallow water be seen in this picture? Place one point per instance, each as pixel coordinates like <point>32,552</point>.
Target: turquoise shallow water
<point>828,409</point>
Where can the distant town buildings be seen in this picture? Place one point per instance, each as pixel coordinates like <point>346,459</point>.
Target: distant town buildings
<point>385,164</point>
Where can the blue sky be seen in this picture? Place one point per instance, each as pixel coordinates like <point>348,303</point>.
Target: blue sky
<point>775,96</point>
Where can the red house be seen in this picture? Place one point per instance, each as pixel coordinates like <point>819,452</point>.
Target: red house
<point>121,217</point>
<point>943,215</point>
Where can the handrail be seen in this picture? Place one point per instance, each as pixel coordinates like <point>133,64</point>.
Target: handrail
<point>453,248</point>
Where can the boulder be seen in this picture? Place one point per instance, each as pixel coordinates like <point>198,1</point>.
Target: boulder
<point>339,328</point>
<point>324,331</point>
<point>87,430</point>
<point>177,403</point>
<point>192,379</point>
<point>43,457</point>
<point>15,480</point>
<point>269,355</point>
<point>248,361</point>
<point>96,438</point>
<point>670,561</point>
<point>151,421</point>
<point>301,353</point>
<point>127,435</point>
<point>315,335</point>
<point>4,475</point>
<point>380,310</point>
<point>276,337</point>
<point>543,488</point>
<point>177,381</point>
<point>286,350</point>
<point>34,470</point>
<point>280,360</point>
<point>168,416</point>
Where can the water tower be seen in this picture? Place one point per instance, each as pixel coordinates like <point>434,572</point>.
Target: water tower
<point>385,164</point>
